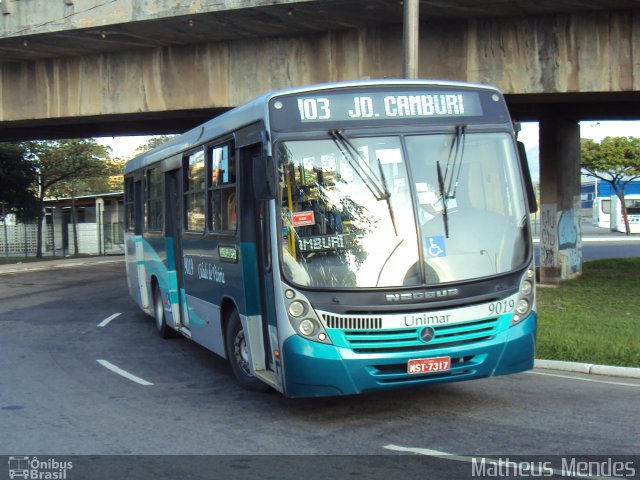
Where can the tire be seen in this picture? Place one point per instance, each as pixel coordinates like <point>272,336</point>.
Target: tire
<point>238,355</point>
<point>158,310</point>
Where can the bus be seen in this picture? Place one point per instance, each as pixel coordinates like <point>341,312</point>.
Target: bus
<point>342,238</point>
<point>607,213</point>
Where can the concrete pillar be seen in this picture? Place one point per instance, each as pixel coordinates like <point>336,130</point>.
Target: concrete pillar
<point>560,233</point>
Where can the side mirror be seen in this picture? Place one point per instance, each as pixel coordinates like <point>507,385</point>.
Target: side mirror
<point>264,175</point>
<point>524,165</point>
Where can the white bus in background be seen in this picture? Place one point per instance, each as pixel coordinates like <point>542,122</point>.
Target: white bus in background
<point>603,207</point>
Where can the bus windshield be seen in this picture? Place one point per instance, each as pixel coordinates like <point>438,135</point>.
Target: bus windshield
<point>375,212</point>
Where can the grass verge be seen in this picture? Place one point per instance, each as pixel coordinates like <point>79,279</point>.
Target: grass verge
<point>594,318</point>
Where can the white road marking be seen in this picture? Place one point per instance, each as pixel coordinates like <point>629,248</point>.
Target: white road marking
<point>430,453</point>
<point>123,373</point>
<point>106,321</point>
<point>622,384</point>
<point>509,465</point>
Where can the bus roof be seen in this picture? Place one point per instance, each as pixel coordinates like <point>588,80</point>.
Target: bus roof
<point>257,110</point>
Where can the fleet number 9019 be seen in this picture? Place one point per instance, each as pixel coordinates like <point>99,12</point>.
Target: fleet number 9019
<point>503,306</point>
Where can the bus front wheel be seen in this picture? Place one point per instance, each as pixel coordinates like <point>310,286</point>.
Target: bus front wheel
<point>158,309</point>
<point>238,355</point>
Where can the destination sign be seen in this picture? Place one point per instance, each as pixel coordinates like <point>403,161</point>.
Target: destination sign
<point>377,105</point>
<point>322,243</point>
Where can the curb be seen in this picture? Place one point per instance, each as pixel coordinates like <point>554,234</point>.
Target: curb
<point>536,240</point>
<point>53,265</point>
<point>588,368</point>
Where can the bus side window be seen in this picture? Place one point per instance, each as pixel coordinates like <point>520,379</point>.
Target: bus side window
<point>222,189</point>
<point>194,194</point>
<point>129,204</point>
<point>154,217</point>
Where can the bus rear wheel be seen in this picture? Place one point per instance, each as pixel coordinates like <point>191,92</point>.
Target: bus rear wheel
<point>158,310</point>
<point>238,355</point>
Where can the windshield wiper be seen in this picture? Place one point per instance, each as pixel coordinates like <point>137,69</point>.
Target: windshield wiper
<point>458,142</point>
<point>377,187</point>
<point>446,183</point>
<point>357,162</point>
<point>387,197</point>
<point>443,199</point>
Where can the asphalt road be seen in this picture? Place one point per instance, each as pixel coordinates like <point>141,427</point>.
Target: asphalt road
<point>602,250</point>
<point>57,399</point>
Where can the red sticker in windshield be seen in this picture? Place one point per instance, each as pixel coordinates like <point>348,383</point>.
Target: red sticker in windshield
<point>303,219</point>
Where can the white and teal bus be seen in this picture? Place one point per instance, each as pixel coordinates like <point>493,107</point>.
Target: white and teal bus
<point>342,238</point>
<point>607,213</point>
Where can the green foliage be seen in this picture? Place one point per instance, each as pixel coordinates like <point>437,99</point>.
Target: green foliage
<point>17,176</point>
<point>71,167</point>
<point>614,159</point>
<point>594,318</point>
<point>152,143</point>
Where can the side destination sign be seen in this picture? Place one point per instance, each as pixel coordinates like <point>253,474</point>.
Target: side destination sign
<point>331,106</point>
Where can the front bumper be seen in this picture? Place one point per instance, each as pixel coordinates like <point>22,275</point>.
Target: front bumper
<point>315,370</point>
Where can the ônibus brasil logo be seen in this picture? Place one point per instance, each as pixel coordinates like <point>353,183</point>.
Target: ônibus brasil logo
<point>33,468</point>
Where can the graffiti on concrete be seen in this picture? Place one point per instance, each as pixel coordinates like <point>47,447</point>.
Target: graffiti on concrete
<point>567,230</point>
<point>570,244</point>
<point>548,235</point>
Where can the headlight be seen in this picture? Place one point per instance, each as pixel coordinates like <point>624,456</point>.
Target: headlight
<point>302,317</point>
<point>296,308</point>
<point>522,307</point>
<point>306,327</point>
<point>526,288</point>
<point>526,297</point>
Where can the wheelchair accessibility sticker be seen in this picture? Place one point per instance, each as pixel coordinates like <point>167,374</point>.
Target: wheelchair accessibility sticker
<point>435,246</point>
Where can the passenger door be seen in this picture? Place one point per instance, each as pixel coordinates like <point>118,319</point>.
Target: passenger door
<point>258,278</point>
<point>173,246</point>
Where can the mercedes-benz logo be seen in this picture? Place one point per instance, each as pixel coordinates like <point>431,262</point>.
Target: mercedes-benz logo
<point>427,334</point>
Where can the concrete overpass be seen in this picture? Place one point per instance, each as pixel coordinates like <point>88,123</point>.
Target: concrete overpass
<point>111,67</point>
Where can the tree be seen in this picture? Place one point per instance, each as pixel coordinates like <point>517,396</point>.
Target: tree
<point>17,176</point>
<point>152,143</point>
<point>102,179</point>
<point>615,160</point>
<point>65,167</point>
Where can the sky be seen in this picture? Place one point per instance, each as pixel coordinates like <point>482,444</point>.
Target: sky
<point>123,147</point>
<point>593,130</point>
<point>588,129</point>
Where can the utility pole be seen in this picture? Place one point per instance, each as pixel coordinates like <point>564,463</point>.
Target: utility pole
<point>6,240</point>
<point>53,230</point>
<point>410,38</point>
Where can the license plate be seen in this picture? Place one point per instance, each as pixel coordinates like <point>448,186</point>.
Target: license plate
<point>429,365</point>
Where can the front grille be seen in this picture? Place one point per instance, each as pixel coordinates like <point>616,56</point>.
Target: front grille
<point>407,340</point>
<point>352,322</point>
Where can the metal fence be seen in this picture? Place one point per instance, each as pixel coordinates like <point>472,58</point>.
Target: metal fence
<point>20,240</point>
